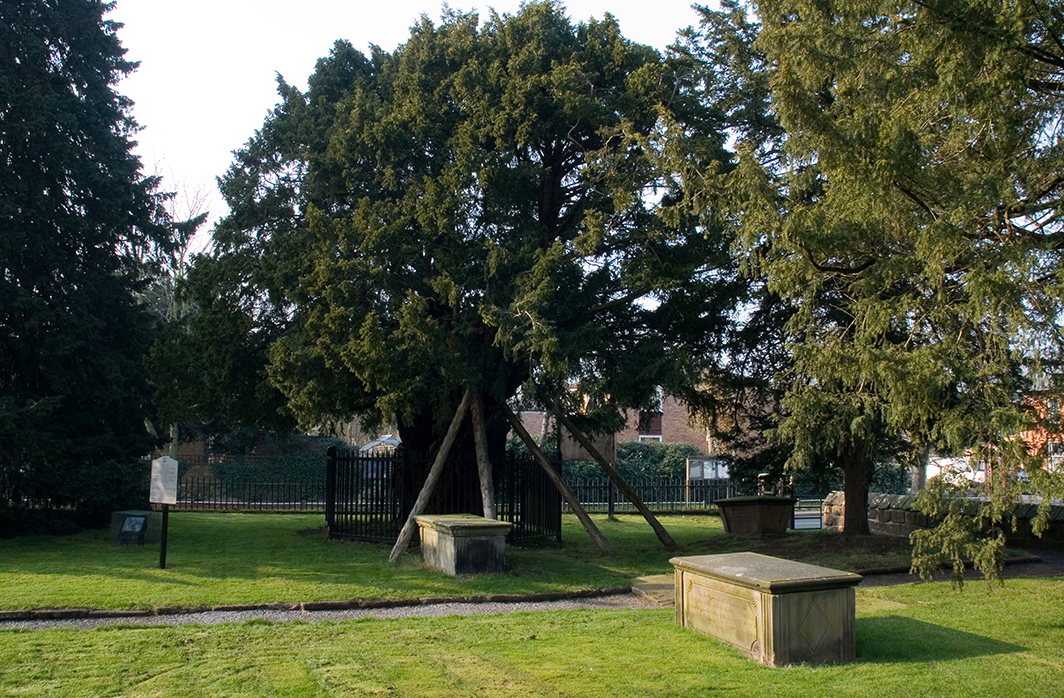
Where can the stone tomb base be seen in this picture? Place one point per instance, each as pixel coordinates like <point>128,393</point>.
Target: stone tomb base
<point>756,515</point>
<point>458,544</point>
<point>776,611</point>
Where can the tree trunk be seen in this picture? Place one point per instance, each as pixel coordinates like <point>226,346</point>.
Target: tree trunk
<point>430,482</point>
<point>544,430</point>
<point>570,498</point>
<point>614,476</point>
<point>918,471</point>
<point>855,489</point>
<point>175,441</point>
<point>480,439</point>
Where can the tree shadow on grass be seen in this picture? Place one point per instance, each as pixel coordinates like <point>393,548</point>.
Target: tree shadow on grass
<point>897,639</point>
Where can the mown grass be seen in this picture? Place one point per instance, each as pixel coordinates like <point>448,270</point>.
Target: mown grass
<point>913,641</point>
<point>216,559</point>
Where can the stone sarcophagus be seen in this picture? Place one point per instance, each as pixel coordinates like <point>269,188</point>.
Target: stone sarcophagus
<point>459,544</point>
<point>756,515</point>
<point>776,611</point>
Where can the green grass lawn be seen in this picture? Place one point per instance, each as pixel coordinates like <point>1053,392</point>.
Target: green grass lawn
<point>215,559</point>
<point>912,640</point>
<point>920,640</point>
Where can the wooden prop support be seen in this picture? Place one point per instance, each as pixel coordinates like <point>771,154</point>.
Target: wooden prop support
<point>627,491</point>
<point>430,482</point>
<point>480,439</point>
<point>570,498</point>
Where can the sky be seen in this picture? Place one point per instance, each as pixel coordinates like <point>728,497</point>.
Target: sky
<point>208,68</point>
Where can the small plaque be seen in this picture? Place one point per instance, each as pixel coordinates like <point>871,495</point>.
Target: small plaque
<point>134,524</point>
<point>132,527</point>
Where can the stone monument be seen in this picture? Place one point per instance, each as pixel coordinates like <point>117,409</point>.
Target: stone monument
<point>775,611</point>
<point>458,544</point>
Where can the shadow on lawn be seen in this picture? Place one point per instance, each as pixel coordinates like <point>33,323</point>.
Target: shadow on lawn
<point>897,639</point>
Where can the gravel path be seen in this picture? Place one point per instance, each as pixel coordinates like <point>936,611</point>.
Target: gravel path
<point>1051,563</point>
<point>415,609</point>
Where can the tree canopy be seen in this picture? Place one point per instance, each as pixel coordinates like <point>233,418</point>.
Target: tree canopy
<point>911,214</point>
<point>76,217</point>
<point>484,206</point>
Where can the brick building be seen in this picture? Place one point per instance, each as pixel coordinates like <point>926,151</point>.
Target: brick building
<point>670,425</point>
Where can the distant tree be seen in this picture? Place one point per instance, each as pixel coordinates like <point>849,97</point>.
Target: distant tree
<point>170,262</point>
<point>912,217</point>
<point>76,215</point>
<point>740,397</point>
<point>482,207</point>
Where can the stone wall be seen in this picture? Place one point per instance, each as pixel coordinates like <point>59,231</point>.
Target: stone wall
<point>1052,537</point>
<point>895,515</point>
<point>834,512</point>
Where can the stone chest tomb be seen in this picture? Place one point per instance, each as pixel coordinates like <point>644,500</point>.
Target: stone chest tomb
<point>458,544</point>
<point>776,611</point>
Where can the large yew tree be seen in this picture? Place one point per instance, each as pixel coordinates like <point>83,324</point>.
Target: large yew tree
<point>913,216</point>
<point>481,207</point>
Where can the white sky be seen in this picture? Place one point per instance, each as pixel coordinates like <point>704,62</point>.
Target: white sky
<point>207,75</point>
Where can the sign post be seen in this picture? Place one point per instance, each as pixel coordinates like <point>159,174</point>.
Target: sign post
<point>164,491</point>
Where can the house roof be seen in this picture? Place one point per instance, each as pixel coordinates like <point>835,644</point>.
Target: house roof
<point>386,442</point>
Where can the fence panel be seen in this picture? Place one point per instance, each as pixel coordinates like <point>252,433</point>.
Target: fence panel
<point>372,494</point>
<point>659,494</point>
<point>366,497</point>
<point>203,493</point>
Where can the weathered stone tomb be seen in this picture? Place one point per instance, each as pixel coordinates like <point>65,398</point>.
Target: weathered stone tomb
<point>776,611</point>
<point>459,544</point>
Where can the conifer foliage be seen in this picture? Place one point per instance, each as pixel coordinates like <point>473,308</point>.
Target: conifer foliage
<point>483,206</point>
<point>76,217</point>
<point>912,216</point>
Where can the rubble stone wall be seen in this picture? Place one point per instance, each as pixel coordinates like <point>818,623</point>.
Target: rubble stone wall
<point>896,515</point>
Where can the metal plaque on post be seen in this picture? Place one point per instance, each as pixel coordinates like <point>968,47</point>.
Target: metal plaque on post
<point>163,491</point>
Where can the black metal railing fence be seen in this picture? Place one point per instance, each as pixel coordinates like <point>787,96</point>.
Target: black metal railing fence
<point>661,494</point>
<point>209,493</point>
<point>371,495</point>
<point>380,492</point>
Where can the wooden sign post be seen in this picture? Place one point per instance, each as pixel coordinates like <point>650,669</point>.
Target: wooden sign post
<point>164,491</point>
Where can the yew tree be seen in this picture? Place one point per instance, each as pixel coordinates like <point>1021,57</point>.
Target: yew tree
<point>912,216</point>
<point>483,206</point>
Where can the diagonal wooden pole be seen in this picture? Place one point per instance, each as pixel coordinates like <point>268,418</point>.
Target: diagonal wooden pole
<point>480,440</point>
<point>623,486</point>
<point>570,498</point>
<point>430,482</point>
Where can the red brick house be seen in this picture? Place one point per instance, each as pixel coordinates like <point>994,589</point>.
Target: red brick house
<point>672,424</point>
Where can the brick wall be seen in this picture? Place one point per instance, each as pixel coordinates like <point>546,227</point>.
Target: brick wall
<point>675,426</point>
<point>533,422</point>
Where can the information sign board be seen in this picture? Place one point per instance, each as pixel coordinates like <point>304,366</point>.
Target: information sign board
<point>163,481</point>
